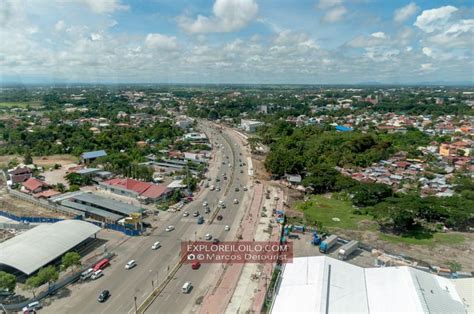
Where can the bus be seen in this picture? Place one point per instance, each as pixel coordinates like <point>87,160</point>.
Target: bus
<point>101,264</point>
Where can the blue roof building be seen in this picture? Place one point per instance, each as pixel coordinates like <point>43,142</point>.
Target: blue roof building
<point>93,155</point>
<point>342,128</point>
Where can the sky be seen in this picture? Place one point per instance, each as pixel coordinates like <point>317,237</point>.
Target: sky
<point>237,41</point>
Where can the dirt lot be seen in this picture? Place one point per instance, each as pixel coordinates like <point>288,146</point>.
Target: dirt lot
<point>44,161</point>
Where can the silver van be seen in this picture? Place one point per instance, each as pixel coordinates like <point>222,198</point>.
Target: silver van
<point>186,287</point>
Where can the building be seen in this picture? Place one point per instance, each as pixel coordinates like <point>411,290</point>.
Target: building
<point>33,186</point>
<point>19,175</point>
<point>144,191</point>
<point>88,157</point>
<point>27,252</point>
<point>250,126</point>
<point>195,137</point>
<point>320,284</point>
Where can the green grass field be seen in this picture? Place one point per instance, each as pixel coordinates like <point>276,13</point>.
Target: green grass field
<point>7,105</point>
<point>322,209</point>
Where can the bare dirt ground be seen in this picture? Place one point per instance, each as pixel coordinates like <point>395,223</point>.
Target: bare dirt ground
<point>43,161</point>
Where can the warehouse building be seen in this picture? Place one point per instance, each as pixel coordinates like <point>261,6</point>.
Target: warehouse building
<point>320,284</point>
<point>26,253</point>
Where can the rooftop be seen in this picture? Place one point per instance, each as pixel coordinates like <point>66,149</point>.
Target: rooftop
<point>94,154</point>
<point>107,203</point>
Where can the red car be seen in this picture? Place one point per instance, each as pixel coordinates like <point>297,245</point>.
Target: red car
<point>195,265</point>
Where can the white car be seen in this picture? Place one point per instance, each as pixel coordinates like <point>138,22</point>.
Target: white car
<point>185,214</point>
<point>130,264</point>
<point>236,201</point>
<point>212,188</point>
<point>156,245</point>
<point>218,189</point>
<point>226,228</point>
<point>169,228</point>
<point>245,188</point>
<point>97,274</point>
<point>208,236</point>
<point>204,204</point>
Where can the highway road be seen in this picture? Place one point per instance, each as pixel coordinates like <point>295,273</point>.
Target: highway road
<point>153,265</point>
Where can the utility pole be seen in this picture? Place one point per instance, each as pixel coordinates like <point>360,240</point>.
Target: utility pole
<point>135,300</point>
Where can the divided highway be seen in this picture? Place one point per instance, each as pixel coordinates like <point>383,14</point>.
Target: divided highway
<point>129,288</point>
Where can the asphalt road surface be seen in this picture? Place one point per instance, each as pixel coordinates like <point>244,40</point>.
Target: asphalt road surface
<point>130,287</point>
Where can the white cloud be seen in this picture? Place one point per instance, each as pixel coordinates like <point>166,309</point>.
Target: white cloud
<point>96,36</point>
<point>379,35</point>
<point>427,51</point>
<point>335,14</point>
<point>404,13</point>
<point>228,16</point>
<point>103,6</point>
<point>434,19</point>
<point>159,41</point>
<point>59,26</point>
<point>409,48</point>
<point>326,4</point>
<point>427,67</point>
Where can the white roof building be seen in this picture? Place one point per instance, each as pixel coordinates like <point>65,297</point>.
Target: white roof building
<point>320,284</point>
<point>250,125</point>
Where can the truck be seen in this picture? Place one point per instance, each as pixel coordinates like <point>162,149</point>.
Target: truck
<point>327,244</point>
<point>315,239</point>
<point>347,249</point>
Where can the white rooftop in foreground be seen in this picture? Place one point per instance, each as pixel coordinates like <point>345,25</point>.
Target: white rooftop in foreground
<point>321,284</point>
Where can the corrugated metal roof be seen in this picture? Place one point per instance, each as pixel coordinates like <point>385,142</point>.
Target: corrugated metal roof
<point>107,203</point>
<point>89,209</point>
<point>41,245</point>
<point>94,154</point>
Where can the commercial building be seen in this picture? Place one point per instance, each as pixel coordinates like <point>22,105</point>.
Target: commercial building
<point>195,137</point>
<point>320,284</point>
<point>144,191</point>
<point>43,244</point>
<point>250,126</point>
<point>88,157</point>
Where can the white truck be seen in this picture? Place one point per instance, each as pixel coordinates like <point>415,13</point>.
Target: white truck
<point>347,249</point>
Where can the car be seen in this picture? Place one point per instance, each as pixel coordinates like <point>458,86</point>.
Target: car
<point>195,214</point>
<point>243,164</point>
<point>218,180</point>
<point>97,274</point>
<point>245,188</point>
<point>212,188</point>
<point>185,214</point>
<point>32,307</point>
<point>226,228</point>
<point>225,178</point>
<point>130,264</point>
<point>218,189</point>
<point>200,220</point>
<point>208,179</point>
<point>205,204</point>
<point>208,210</point>
<point>169,228</point>
<point>223,162</point>
<point>208,236</point>
<point>221,202</point>
<point>215,241</point>
<point>103,296</point>
<point>195,265</point>
<point>156,245</point>
<point>219,217</point>
<point>236,201</point>
<point>237,189</point>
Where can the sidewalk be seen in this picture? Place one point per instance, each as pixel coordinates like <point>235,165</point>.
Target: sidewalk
<point>217,300</point>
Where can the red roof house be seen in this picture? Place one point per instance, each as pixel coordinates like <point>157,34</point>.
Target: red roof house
<point>33,185</point>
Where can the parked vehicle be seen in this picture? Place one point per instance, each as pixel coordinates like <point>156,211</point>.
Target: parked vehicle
<point>326,245</point>
<point>207,210</point>
<point>195,214</point>
<point>236,201</point>
<point>185,214</point>
<point>200,220</point>
<point>205,204</point>
<point>87,274</point>
<point>195,265</point>
<point>33,306</point>
<point>156,245</point>
<point>101,264</point>
<point>215,241</point>
<point>219,217</point>
<point>208,236</point>
<point>169,228</point>
<point>293,236</point>
<point>315,239</point>
<point>347,249</point>
<point>97,274</point>
<point>103,296</point>
<point>130,264</point>
<point>226,228</point>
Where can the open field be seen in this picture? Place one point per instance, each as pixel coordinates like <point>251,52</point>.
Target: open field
<point>332,213</point>
<point>43,161</point>
<point>23,104</point>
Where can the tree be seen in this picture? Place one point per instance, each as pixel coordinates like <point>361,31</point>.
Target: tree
<point>71,259</point>
<point>370,194</point>
<point>7,281</point>
<point>61,187</point>
<point>27,159</point>
<point>48,274</point>
<point>32,284</point>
